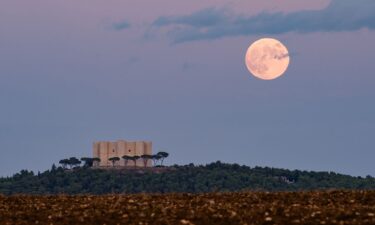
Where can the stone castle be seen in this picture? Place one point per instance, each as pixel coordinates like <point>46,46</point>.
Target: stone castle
<point>106,149</point>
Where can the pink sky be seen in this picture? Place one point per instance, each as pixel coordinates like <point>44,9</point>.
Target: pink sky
<point>68,78</point>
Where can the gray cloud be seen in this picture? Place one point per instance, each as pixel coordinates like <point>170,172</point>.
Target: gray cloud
<point>203,18</point>
<point>211,23</point>
<point>121,26</point>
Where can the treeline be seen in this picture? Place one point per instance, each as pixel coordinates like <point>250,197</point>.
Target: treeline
<point>74,162</point>
<point>213,177</point>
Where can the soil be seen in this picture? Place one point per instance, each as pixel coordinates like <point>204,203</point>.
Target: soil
<point>323,207</point>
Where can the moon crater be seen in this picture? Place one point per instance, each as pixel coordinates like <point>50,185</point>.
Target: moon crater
<point>267,58</point>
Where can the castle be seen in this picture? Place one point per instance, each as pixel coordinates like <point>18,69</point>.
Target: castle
<point>106,149</point>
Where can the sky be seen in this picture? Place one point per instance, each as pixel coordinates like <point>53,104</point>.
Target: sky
<point>173,72</point>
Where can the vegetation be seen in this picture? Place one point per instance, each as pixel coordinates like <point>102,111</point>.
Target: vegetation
<point>155,159</point>
<point>71,162</point>
<point>135,159</point>
<point>64,163</point>
<point>127,158</point>
<point>162,155</point>
<point>114,160</point>
<point>146,158</point>
<point>213,177</point>
<point>89,162</point>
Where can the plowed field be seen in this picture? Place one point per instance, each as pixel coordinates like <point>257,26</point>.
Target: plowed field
<point>330,207</point>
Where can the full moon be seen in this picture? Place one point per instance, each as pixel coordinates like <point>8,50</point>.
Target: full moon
<point>267,58</point>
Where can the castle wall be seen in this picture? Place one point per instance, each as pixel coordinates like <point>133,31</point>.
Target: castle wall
<point>140,150</point>
<point>121,150</point>
<point>105,150</point>
<point>103,153</point>
<point>112,151</point>
<point>131,152</point>
<point>148,151</point>
<point>95,149</point>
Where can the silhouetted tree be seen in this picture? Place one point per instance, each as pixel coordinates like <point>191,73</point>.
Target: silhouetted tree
<point>163,155</point>
<point>135,158</point>
<point>127,158</point>
<point>114,160</point>
<point>216,177</point>
<point>96,160</point>
<point>64,163</point>
<point>88,161</point>
<point>146,158</point>
<point>155,159</point>
<point>73,162</point>
<point>53,168</point>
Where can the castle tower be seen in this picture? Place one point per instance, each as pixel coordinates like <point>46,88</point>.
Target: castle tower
<point>105,150</point>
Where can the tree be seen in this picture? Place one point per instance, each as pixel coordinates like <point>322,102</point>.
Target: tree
<point>213,177</point>
<point>73,162</point>
<point>53,168</point>
<point>155,158</point>
<point>88,161</point>
<point>96,160</point>
<point>163,155</point>
<point>127,158</point>
<point>146,158</point>
<point>64,163</point>
<point>135,158</point>
<point>114,160</point>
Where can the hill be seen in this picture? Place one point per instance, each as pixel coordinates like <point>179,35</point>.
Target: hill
<point>214,177</point>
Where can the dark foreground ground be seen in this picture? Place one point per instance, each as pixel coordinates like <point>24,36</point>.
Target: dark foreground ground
<point>331,207</point>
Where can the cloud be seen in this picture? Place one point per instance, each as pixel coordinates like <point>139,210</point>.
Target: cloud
<point>203,18</point>
<point>121,26</point>
<point>212,23</point>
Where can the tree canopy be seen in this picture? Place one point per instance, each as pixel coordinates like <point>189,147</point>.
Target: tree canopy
<point>188,178</point>
<point>114,160</point>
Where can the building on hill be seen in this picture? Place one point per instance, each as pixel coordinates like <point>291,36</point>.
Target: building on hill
<point>106,149</point>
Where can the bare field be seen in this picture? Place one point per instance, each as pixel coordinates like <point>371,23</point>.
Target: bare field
<point>326,207</point>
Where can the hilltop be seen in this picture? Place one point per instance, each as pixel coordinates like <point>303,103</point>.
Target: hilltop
<point>213,177</point>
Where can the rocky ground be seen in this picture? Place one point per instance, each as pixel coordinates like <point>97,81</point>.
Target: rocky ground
<point>329,207</point>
